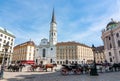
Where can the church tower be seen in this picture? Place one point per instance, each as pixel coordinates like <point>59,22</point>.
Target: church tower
<point>53,31</point>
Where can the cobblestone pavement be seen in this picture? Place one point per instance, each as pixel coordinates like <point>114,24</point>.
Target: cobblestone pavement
<point>56,76</point>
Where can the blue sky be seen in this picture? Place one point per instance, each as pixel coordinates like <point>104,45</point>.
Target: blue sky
<point>77,20</point>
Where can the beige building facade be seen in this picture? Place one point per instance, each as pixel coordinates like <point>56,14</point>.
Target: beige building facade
<point>6,37</point>
<point>111,39</point>
<point>24,52</point>
<point>73,52</point>
<point>99,55</point>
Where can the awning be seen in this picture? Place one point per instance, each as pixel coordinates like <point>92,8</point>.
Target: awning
<point>28,62</point>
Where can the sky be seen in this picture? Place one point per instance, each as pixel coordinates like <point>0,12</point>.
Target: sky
<point>77,20</point>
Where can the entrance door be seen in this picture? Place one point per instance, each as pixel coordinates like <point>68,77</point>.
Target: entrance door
<point>51,60</point>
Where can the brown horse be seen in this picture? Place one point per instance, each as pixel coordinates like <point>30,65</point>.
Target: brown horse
<point>46,66</point>
<point>34,67</point>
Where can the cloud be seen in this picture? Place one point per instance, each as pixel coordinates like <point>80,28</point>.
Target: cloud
<point>92,33</point>
<point>76,20</point>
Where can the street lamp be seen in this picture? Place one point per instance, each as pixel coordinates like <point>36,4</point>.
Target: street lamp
<point>84,61</point>
<point>3,60</point>
<point>93,71</point>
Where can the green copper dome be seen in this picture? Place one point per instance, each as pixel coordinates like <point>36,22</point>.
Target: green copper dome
<point>111,25</point>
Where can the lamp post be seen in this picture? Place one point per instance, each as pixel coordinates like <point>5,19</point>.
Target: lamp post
<point>84,61</point>
<point>3,60</point>
<point>93,71</point>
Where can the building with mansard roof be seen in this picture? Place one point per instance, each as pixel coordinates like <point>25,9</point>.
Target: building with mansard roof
<point>24,53</point>
<point>111,39</point>
<point>6,36</point>
<point>73,52</point>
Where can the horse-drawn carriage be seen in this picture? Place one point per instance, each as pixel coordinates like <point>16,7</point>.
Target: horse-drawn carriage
<point>41,67</point>
<point>70,69</point>
<point>15,67</point>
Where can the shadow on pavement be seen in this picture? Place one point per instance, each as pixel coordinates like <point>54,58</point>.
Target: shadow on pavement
<point>35,76</point>
<point>56,76</point>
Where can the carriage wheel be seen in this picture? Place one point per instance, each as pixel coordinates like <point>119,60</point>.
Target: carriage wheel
<point>78,72</point>
<point>64,72</point>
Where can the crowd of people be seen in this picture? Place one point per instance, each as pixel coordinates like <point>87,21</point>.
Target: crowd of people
<point>86,68</point>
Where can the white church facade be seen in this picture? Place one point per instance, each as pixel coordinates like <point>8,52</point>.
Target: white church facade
<point>46,51</point>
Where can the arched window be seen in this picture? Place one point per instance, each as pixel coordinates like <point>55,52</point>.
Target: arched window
<point>52,34</point>
<point>44,53</point>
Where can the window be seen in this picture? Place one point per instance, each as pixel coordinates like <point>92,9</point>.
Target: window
<point>117,35</point>
<point>11,39</point>
<point>110,59</point>
<point>4,41</point>
<point>57,62</point>
<point>113,57</point>
<point>110,45</point>
<point>11,43</point>
<point>51,60</point>
<point>8,38</point>
<point>37,49</point>
<point>0,39</point>
<point>1,35</point>
<point>60,62</point>
<point>118,43</point>
<point>29,54</point>
<point>109,38</point>
<point>51,48</point>
<point>5,36</point>
<point>44,52</point>
<point>109,53</point>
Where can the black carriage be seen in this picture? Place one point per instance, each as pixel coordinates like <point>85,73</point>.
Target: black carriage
<point>70,69</point>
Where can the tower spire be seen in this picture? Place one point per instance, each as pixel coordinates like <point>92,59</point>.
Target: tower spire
<point>53,17</point>
<point>53,30</point>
